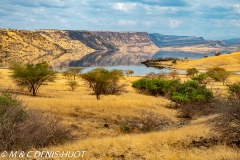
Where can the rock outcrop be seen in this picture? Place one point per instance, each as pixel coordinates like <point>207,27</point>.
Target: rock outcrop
<point>53,46</point>
<point>182,41</point>
<point>112,41</point>
<point>60,47</point>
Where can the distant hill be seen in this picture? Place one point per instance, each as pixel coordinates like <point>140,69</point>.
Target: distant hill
<point>53,46</point>
<point>182,41</point>
<point>60,47</point>
<point>233,41</point>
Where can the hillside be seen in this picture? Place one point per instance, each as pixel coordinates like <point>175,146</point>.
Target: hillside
<point>60,47</point>
<point>230,62</point>
<point>55,47</point>
<point>113,41</point>
<point>192,43</point>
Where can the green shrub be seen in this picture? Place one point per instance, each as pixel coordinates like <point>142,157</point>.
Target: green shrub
<point>126,128</point>
<point>103,81</point>
<point>156,86</point>
<point>234,91</point>
<point>8,104</point>
<point>201,78</point>
<point>218,74</point>
<point>73,84</point>
<point>174,61</point>
<point>192,91</point>
<point>191,72</point>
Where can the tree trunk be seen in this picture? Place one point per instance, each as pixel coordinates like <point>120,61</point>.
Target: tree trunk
<point>98,96</point>
<point>33,91</point>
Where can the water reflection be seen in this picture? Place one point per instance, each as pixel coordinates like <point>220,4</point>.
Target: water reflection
<point>139,70</point>
<point>124,60</point>
<point>181,54</point>
<point>112,58</point>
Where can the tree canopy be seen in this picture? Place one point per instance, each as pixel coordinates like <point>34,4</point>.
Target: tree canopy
<point>191,72</point>
<point>103,81</point>
<point>32,76</point>
<point>73,71</point>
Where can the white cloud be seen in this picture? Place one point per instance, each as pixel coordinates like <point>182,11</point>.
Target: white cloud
<point>147,23</point>
<point>123,22</point>
<point>125,7</point>
<point>81,15</point>
<point>38,10</point>
<point>235,22</point>
<point>237,8</point>
<point>175,23</point>
<point>63,21</point>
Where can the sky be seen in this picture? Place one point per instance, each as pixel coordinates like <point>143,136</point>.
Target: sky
<point>211,19</point>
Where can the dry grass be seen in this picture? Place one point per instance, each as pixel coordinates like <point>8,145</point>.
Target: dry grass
<point>231,62</point>
<point>81,111</point>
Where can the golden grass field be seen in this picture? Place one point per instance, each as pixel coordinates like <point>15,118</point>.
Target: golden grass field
<point>81,111</point>
<point>231,62</point>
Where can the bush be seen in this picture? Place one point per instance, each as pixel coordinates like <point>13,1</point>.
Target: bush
<point>191,97</point>
<point>153,75</point>
<point>126,128</point>
<point>234,91</point>
<point>103,81</point>
<point>22,130</point>
<point>227,122</point>
<point>191,72</point>
<point>146,122</point>
<point>129,72</point>
<point>192,110</point>
<point>174,61</point>
<point>192,91</point>
<point>218,74</point>
<point>156,86</point>
<point>72,84</point>
<point>201,78</point>
<point>180,93</point>
<point>217,53</point>
<point>173,74</point>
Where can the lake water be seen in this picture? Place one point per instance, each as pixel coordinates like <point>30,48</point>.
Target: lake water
<point>140,70</point>
<point>132,60</point>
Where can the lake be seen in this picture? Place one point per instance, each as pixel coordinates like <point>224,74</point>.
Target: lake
<point>132,60</point>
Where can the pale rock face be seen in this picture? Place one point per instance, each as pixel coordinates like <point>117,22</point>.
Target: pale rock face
<point>60,47</point>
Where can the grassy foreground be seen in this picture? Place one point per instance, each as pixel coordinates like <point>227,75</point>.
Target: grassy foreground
<point>81,111</point>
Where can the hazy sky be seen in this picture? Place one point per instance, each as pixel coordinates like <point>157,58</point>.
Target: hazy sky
<point>211,19</point>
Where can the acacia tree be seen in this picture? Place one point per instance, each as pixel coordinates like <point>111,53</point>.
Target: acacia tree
<point>129,72</point>
<point>218,74</point>
<point>32,76</point>
<point>173,74</point>
<point>102,80</point>
<point>73,71</point>
<point>191,72</point>
<point>72,84</point>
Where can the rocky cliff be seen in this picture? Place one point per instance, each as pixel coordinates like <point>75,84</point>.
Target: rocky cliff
<point>55,47</point>
<point>60,47</point>
<point>182,41</point>
<point>104,40</point>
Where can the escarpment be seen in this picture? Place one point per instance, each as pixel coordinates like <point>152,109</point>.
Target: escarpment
<point>60,47</point>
